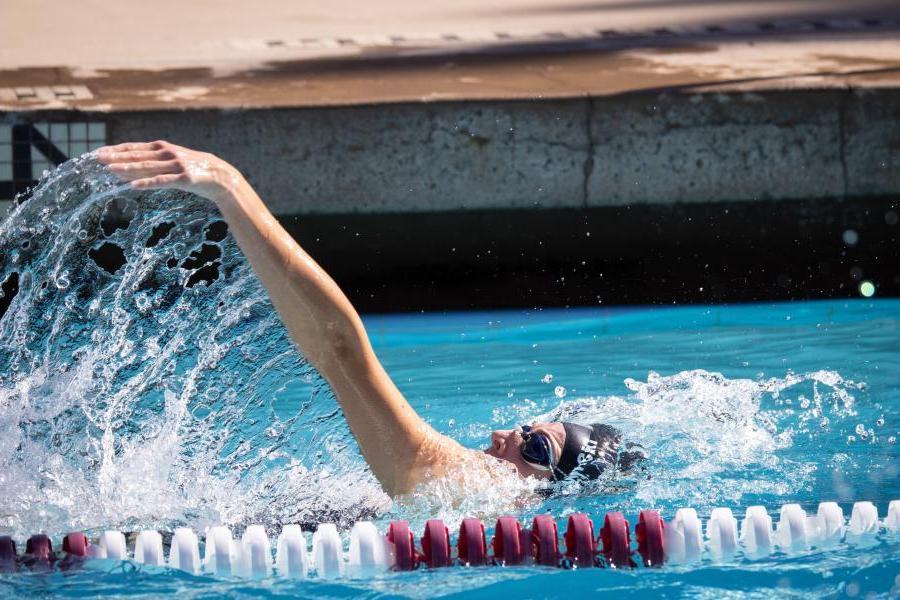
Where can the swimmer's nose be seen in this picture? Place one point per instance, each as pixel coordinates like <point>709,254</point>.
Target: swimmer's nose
<point>498,442</point>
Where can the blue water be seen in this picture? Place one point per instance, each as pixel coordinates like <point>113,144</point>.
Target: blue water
<point>130,400</point>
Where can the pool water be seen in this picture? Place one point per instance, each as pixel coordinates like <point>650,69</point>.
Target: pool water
<point>135,399</point>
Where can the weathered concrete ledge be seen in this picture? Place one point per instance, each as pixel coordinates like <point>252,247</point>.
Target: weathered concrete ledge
<point>631,149</point>
<point>636,198</point>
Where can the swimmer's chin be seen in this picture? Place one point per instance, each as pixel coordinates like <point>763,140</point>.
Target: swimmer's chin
<point>499,463</point>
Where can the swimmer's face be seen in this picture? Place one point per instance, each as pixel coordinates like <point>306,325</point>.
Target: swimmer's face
<point>506,444</point>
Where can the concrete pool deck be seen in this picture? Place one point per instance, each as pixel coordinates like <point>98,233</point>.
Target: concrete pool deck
<point>408,121</point>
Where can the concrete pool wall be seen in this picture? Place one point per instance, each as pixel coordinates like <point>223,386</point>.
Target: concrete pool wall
<point>577,153</point>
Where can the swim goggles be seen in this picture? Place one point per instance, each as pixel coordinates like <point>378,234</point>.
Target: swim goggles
<point>536,450</point>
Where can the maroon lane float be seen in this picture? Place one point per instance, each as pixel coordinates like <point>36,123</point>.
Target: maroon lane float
<point>507,542</point>
<point>650,535</point>
<point>581,547</point>
<point>472,545</point>
<point>405,557</point>
<point>616,541</point>
<point>545,540</point>
<point>436,544</point>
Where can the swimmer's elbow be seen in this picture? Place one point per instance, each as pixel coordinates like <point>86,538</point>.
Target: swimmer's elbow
<point>345,345</point>
<point>328,339</point>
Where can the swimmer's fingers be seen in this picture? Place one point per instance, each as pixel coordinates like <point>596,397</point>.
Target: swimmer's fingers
<point>109,157</point>
<point>170,180</point>
<point>131,171</point>
<point>133,147</point>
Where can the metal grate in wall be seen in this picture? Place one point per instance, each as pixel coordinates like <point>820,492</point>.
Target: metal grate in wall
<point>29,149</point>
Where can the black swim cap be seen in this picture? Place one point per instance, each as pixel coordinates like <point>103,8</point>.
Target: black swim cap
<point>588,451</point>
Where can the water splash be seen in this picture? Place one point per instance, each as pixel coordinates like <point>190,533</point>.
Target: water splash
<point>145,379</point>
<point>478,486</point>
<point>714,440</point>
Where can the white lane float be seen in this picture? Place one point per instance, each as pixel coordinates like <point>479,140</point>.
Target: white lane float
<point>369,552</point>
<point>219,551</point>
<point>184,553</point>
<point>892,521</point>
<point>863,519</point>
<point>112,545</point>
<point>684,538</point>
<point>722,534</point>
<point>148,548</point>
<point>756,532</point>
<point>829,529</point>
<point>791,532</point>
<point>254,553</point>
<point>290,556</point>
<point>327,552</point>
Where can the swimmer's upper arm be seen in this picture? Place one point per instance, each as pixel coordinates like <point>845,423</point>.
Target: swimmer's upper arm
<point>329,332</point>
<point>391,435</point>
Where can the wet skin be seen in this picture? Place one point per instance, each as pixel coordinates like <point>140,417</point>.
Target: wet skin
<point>506,445</point>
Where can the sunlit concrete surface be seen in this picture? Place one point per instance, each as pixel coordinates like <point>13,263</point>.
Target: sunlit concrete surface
<point>145,55</point>
<point>224,34</point>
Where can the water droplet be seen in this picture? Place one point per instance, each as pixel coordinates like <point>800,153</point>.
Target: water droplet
<point>866,289</point>
<point>62,280</point>
<point>851,438</point>
<point>850,237</point>
<point>560,391</point>
<point>547,378</point>
<point>861,429</point>
<point>880,421</point>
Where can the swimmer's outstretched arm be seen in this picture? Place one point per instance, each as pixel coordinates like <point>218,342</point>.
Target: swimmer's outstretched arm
<point>398,445</point>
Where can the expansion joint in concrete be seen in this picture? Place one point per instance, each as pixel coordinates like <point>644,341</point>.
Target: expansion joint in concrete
<point>842,139</point>
<point>588,168</point>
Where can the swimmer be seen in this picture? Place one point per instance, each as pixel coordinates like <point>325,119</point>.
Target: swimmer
<point>399,446</point>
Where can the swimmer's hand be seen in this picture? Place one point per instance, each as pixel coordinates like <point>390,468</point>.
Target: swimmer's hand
<point>163,165</point>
